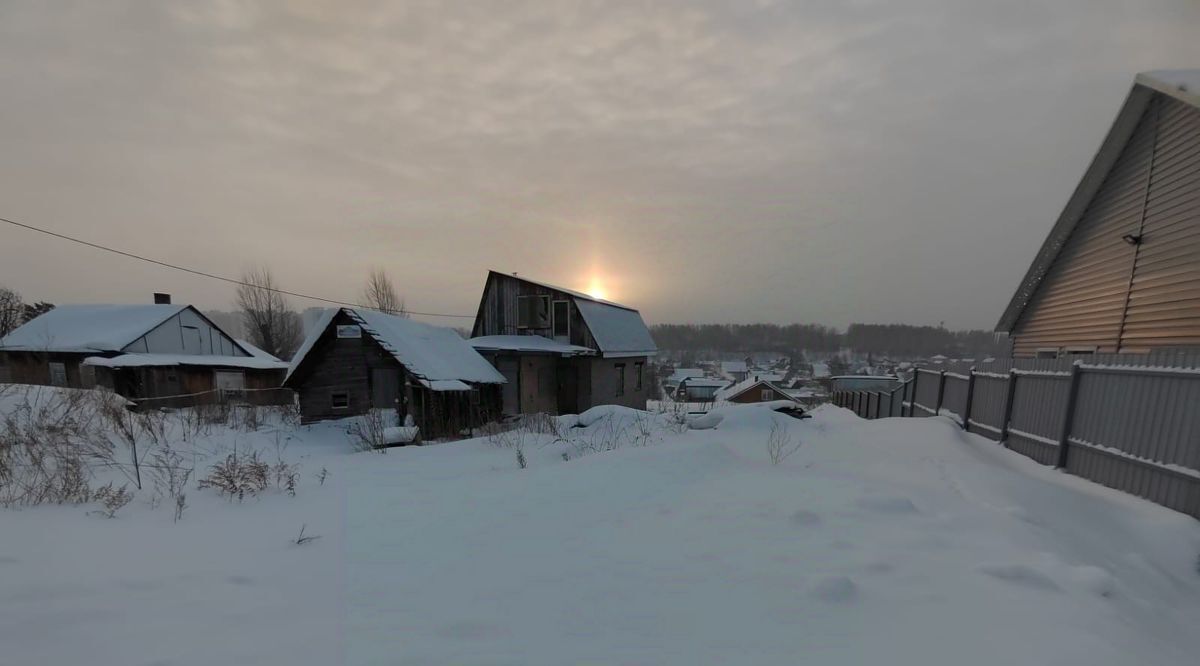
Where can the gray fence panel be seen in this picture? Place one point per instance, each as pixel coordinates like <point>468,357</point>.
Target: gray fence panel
<point>927,392</point>
<point>1137,433</point>
<point>954,399</point>
<point>1038,410</point>
<point>987,407</point>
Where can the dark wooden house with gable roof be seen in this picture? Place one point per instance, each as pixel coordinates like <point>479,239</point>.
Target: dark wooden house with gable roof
<point>356,360</point>
<point>1120,270</point>
<point>562,351</point>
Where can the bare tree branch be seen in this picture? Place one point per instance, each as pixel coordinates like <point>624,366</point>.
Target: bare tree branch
<point>12,311</point>
<point>381,295</point>
<point>269,320</point>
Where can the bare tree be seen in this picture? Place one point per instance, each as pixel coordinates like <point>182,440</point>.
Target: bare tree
<point>269,320</point>
<point>12,311</point>
<point>381,295</point>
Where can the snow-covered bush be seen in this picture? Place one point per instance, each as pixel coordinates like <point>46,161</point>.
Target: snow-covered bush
<point>112,499</point>
<point>367,432</point>
<point>49,440</point>
<point>240,474</point>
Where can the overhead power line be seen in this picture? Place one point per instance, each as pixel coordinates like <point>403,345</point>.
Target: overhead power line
<point>213,276</point>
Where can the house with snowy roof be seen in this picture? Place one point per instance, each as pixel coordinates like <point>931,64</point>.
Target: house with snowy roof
<point>561,351</point>
<point>754,388</point>
<point>160,354</point>
<point>1120,268</point>
<point>355,360</point>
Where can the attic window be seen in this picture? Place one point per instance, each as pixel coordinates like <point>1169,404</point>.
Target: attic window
<point>533,311</point>
<point>767,395</point>
<point>339,400</point>
<point>562,319</point>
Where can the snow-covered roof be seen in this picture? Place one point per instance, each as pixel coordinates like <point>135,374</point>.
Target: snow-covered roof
<point>681,374</point>
<point>88,328</point>
<point>705,382</point>
<point>820,369</point>
<point>618,331</point>
<point>527,343</point>
<point>733,366</point>
<point>258,353</point>
<point>1180,84</point>
<point>159,360</point>
<point>747,384</point>
<point>432,353</point>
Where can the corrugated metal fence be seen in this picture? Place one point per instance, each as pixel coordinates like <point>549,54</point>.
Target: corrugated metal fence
<point>1128,422</point>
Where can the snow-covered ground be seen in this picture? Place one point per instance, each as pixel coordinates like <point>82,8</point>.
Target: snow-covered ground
<point>896,541</point>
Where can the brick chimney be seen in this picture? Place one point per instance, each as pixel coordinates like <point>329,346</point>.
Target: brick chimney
<point>162,299</point>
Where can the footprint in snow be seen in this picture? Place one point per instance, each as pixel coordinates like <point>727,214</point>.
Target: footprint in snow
<point>1020,574</point>
<point>836,589</point>
<point>889,505</point>
<point>805,518</point>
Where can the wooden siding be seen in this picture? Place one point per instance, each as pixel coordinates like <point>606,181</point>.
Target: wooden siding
<point>498,310</point>
<point>1164,302</point>
<point>1104,293</point>
<point>339,365</point>
<point>344,365</point>
<point>755,395</point>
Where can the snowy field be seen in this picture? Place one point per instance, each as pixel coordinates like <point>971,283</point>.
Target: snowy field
<point>626,541</point>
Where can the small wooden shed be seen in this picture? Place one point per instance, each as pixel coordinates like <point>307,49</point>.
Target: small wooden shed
<point>355,360</point>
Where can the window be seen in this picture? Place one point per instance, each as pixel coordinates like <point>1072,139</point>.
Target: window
<point>620,379</point>
<point>58,374</point>
<point>767,395</point>
<point>533,311</point>
<point>339,400</point>
<point>1079,351</point>
<point>562,319</point>
<point>637,375</point>
<point>349,331</point>
<point>1047,352</point>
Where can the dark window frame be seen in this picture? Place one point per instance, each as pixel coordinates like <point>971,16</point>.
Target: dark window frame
<point>620,368</point>
<point>334,401</point>
<point>526,317</point>
<point>639,369</point>
<point>566,319</point>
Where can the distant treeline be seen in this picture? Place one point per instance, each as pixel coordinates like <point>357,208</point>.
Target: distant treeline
<point>900,340</point>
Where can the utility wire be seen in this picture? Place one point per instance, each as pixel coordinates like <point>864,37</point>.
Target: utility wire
<point>213,276</point>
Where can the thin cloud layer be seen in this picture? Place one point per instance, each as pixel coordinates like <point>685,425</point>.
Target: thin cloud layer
<point>769,161</point>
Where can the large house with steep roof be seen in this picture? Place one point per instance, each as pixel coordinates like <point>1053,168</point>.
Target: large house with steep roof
<point>562,351</point>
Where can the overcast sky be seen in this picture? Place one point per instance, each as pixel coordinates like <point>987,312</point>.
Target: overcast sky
<point>737,161</point>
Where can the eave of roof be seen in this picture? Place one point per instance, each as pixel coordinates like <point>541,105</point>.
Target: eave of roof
<point>1173,83</point>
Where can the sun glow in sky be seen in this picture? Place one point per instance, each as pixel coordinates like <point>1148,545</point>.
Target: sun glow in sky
<point>596,288</point>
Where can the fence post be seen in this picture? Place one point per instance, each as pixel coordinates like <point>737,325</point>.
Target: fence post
<point>941,392</point>
<point>878,403</point>
<point>912,399</point>
<point>1009,397</point>
<point>1072,394</point>
<point>966,422</point>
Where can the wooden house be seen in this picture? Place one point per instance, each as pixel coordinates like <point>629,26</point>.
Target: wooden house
<point>154,354</point>
<point>699,389</point>
<point>355,360</point>
<point>562,351</point>
<point>1120,269</point>
<point>753,389</point>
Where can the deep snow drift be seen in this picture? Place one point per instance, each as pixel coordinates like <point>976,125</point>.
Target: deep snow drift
<point>898,541</point>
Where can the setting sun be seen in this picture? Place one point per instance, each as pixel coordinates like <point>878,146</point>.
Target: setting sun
<point>596,288</point>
